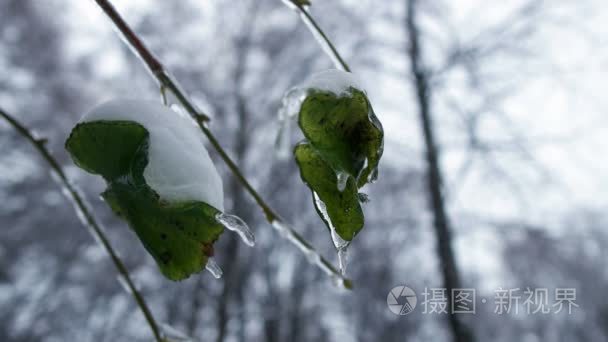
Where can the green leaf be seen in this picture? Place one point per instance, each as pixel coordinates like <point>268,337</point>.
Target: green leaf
<point>106,148</point>
<point>179,236</point>
<point>340,209</point>
<point>344,131</point>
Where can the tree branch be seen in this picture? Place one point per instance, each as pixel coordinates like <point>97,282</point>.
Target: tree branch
<point>87,218</point>
<point>165,80</point>
<point>302,8</point>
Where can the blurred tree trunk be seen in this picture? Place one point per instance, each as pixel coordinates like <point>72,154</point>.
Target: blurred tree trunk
<point>272,320</point>
<point>233,279</point>
<point>296,297</point>
<point>196,306</point>
<point>441,223</point>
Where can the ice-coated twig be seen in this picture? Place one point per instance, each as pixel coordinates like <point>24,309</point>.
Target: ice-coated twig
<point>168,84</point>
<point>313,257</point>
<point>86,216</point>
<point>302,9</point>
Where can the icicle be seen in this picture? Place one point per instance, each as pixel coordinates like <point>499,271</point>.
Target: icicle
<point>236,224</point>
<point>342,180</point>
<point>163,95</point>
<point>340,244</point>
<point>290,108</point>
<point>343,259</point>
<point>341,247</point>
<point>171,334</point>
<point>283,139</point>
<point>373,176</point>
<point>213,268</point>
<point>170,99</point>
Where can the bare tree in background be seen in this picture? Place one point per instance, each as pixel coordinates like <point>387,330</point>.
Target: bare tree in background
<point>505,38</point>
<point>233,291</point>
<point>434,181</point>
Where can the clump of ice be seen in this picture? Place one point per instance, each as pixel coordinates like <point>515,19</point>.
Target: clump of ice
<point>179,167</point>
<point>333,80</point>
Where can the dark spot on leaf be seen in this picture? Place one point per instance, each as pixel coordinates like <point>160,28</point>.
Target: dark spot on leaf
<point>165,257</point>
<point>163,236</point>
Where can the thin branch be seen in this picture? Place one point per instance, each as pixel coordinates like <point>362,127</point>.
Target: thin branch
<point>165,80</point>
<point>302,8</point>
<point>86,216</point>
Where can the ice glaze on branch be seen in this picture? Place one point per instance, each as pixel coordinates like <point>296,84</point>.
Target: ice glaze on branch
<point>85,214</point>
<point>326,44</point>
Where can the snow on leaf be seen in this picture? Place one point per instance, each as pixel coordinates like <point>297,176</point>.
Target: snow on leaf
<point>178,234</point>
<point>179,167</point>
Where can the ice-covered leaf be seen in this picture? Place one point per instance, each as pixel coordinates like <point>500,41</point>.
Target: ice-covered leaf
<point>178,234</point>
<point>342,149</point>
<point>343,129</point>
<point>340,210</point>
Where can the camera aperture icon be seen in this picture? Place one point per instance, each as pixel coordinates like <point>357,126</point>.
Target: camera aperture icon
<point>401,300</point>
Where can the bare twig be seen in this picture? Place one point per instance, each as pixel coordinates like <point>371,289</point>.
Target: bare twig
<point>166,82</point>
<point>86,217</point>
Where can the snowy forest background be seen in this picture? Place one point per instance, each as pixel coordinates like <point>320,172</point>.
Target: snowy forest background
<point>518,109</point>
